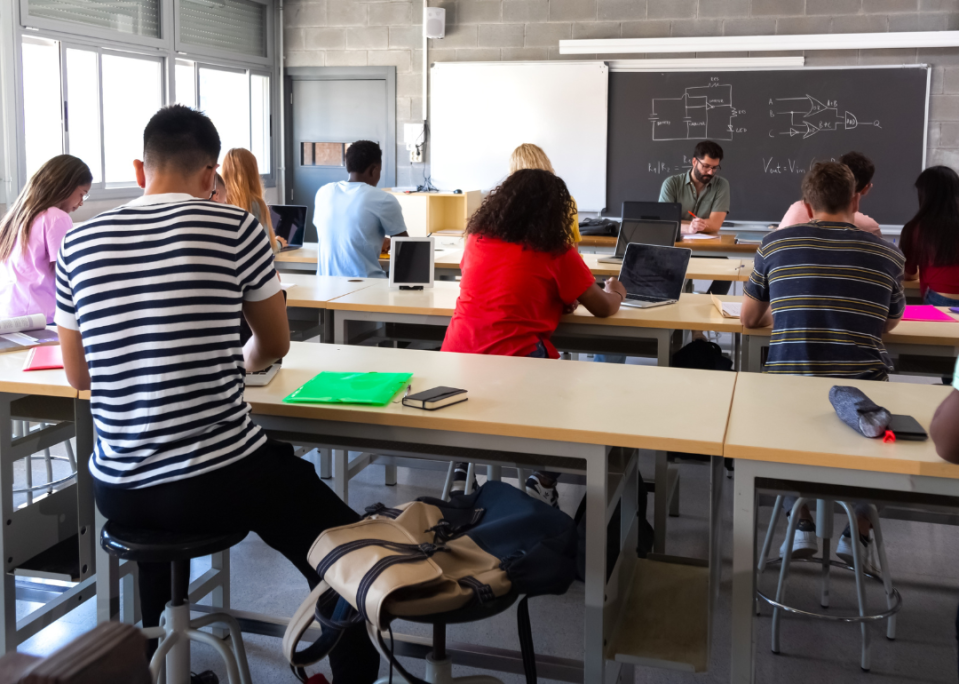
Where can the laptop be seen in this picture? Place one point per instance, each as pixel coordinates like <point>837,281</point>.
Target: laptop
<point>289,223</point>
<point>646,232</point>
<point>655,211</point>
<point>653,275</point>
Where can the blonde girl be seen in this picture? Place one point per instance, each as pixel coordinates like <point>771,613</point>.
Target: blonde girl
<point>241,175</point>
<point>530,156</point>
<point>31,233</point>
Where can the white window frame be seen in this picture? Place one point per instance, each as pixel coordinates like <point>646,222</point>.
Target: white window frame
<point>102,41</point>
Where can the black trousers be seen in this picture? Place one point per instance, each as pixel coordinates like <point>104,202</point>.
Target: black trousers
<point>270,492</point>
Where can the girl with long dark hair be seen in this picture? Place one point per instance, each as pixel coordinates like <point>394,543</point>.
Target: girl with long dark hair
<point>930,240</point>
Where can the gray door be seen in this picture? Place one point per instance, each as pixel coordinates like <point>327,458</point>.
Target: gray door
<point>328,115</point>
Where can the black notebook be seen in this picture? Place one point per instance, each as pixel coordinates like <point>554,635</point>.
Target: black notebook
<point>435,398</point>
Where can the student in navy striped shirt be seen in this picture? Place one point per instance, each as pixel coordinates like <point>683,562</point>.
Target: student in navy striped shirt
<point>149,302</point>
<point>830,290</point>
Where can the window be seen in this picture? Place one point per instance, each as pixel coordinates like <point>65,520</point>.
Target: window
<point>131,95</point>
<point>41,102</point>
<point>238,102</point>
<point>95,71</point>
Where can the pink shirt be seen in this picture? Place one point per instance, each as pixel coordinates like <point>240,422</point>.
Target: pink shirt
<point>797,214</point>
<point>27,279</point>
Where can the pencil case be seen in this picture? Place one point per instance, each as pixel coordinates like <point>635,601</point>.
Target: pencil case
<point>858,411</point>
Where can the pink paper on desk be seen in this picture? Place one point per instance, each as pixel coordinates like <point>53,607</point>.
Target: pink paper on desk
<point>924,312</point>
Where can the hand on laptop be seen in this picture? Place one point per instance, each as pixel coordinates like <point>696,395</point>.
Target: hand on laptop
<point>281,242</point>
<point>613,285</point>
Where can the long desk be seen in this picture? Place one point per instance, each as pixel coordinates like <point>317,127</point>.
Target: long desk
<point>783,429</point>
<point>724,245</point>
<point>42,396</point>
<point>435,306</point>
<point>919,338</point>
<point>447,264</point>
<point>519,414</point>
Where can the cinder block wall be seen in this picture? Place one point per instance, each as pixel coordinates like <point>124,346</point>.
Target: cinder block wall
<point>363,32</point>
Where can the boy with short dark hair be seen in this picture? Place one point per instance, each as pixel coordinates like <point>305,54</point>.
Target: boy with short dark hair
<point>829,291</point>
<point>149,302</point>
<point>862,170</point>
<point>354,220</point>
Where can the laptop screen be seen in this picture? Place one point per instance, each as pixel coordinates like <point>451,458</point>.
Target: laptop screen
<point>662,233</point>
<point>654,271</point>
<point>289,223</point>
<point>656,211</point>
<point>410,261</point>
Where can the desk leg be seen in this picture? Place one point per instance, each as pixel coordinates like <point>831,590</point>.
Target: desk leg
<point>326,464</point>
<point>595,590</point>
<point>744,572</point>
<point>389,475</point>
<point>326,321</point>
<point>8,592</point>
<point>756,345</point>
<point>341,467</point>
<point>86,508</point>
<point>494,473</point>
<point>339,329</point>
<point>663,347</point>
<point>661,502</point>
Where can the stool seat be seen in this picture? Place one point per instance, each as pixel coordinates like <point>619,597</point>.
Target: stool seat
<point>474,612</point>
<point>153,546</point>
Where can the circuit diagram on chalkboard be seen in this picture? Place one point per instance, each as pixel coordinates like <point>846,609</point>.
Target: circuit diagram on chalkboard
<point>807,116</point>
<point>702,112</point>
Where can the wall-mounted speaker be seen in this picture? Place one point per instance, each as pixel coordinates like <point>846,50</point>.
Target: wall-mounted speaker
<point>434,22</point>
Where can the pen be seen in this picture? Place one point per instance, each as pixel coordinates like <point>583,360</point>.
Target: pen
<point>692,214</point>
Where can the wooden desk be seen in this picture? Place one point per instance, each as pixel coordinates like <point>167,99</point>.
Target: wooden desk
<point>302,259</point>
<point>699,268</point>
<point>784,428</point>
<point>918,338</point>
<point>310,291</point>
<point>724,245</point>
<point>42,397</point>
<point>519,414</point>
<point>435,306</point>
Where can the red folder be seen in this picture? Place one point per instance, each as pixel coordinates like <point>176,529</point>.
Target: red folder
<point>44,358</point>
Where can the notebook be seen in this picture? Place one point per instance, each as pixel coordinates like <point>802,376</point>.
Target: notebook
<point>924,312</point>
<point>436,398</point>
<point>24,332</point>
<point>44,358</point>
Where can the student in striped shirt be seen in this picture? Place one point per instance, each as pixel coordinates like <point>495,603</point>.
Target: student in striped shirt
<point>829,290</point>
<point>149,302</point>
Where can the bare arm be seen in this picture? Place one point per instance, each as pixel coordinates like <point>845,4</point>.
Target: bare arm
<point>710,225</point>
<point>756,314</point>
<point>890,324</point>
<point>387,242</point>
<point>74,359</point>
<point>271,332</point>
<point>604,302</point>
<point>945,428</point>
<point>911,276</point>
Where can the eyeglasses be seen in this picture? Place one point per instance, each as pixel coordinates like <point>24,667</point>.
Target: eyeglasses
<point>86,197</point>
<point>709,167</point>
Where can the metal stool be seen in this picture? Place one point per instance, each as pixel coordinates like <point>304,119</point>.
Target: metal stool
<point>824,526</point>
<point>22,428</point>
<point>176,630</point>
<point>439,666</point>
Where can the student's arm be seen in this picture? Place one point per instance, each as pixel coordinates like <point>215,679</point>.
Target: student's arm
<point>387,241</point>
<point>756,314</point>
<point>897,306</point>
<point>603,303</point>
<point>74,358</point>
<point>271,332</point>
<point>944,428</point>
<point>914,275</point>
<point>756,311</point>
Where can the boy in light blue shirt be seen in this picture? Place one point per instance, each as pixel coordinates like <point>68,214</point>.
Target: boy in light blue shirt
<point>353,219</point>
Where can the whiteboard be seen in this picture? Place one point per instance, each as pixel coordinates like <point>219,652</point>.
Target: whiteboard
<point>480,112</point>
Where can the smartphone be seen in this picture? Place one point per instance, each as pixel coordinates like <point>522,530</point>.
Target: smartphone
<point>907,428</point>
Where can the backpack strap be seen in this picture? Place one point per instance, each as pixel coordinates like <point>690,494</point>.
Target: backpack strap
<point>388,652</point>
<point>526,640</point>
<point>299,623</point>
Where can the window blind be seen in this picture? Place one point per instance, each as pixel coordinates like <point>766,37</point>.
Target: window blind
<point>231,25</point>
<point>137,17</point>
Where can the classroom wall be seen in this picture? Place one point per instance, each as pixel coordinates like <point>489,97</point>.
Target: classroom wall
<point>378,32</point>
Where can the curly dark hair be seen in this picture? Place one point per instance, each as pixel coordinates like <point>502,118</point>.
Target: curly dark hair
<point>531,207</point>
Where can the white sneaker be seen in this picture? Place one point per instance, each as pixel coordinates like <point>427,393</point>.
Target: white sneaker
<point>537,490</point>
<point>844,551</point>
<point>805,543</point>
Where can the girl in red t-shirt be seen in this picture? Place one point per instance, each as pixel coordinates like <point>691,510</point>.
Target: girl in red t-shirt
<point>521,273</point>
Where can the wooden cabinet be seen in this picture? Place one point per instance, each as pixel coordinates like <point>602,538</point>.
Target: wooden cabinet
<point>431,212</point>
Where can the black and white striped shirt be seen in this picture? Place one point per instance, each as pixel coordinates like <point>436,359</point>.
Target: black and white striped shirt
<point>156,288</point>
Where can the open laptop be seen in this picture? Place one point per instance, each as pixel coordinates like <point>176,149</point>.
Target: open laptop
<point>664,233</point>
<point>654,211</point>
<point>289,223</point>
<point>653,275</point>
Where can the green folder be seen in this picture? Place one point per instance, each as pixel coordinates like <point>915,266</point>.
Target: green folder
<point>350,388</point>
